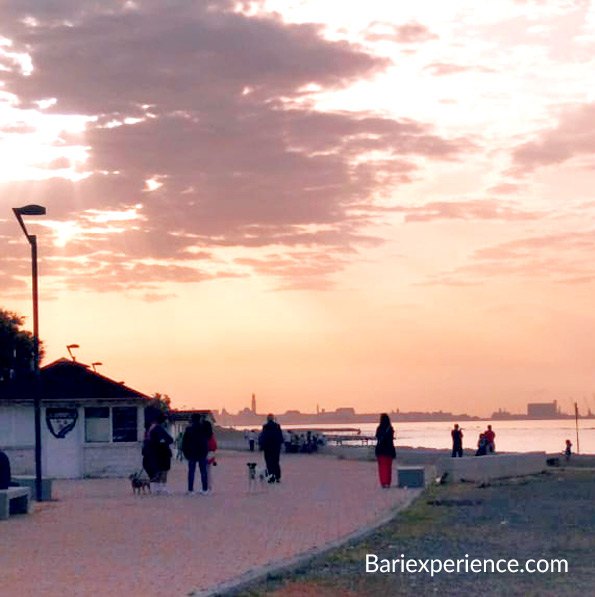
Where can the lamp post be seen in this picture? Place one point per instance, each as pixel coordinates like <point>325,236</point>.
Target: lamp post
<point>19,212</point>
<point>69,348</point>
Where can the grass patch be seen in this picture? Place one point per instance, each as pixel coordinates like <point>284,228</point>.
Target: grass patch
<point>546,517</point>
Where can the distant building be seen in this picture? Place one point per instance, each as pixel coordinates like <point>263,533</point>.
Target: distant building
<point>543,410</point>
<point>345,412</point>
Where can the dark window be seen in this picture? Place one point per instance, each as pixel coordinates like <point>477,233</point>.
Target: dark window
<point>124,424</point>
<point>97,424</point>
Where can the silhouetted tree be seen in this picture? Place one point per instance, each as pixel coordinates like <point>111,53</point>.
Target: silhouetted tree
<point>16,347</point>
<point>159,403</point>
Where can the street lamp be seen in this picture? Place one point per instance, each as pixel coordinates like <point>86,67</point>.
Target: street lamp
<point>69,348</point>
<point>95,365</point>
<point>19,212</point>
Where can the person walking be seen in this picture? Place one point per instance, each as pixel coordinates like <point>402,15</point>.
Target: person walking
<point>157,454</point>
<point>385,450</point>
<point>271,440</point>
<point>195,448</point>
<point>457,442</point>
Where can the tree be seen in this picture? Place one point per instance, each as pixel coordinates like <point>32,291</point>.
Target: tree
<point>159,403</point>
<point>16,347</point>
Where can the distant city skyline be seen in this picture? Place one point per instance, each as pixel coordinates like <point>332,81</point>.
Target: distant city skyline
<point>388,205</point>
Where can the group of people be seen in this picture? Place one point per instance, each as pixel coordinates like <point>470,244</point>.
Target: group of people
<point>386,453</point>
<point>198,446</point>
<point>485,444</point>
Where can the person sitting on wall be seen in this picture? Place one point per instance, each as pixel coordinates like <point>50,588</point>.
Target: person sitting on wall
<point>4,471</point>
<point>482,445</point>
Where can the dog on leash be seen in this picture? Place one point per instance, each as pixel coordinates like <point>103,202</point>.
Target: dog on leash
<point>139,483</point>
<point>257,476</point>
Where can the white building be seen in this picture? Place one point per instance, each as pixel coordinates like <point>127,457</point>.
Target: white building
<point>91,426</point>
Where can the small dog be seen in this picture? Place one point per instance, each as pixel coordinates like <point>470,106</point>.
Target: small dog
<point>257,475</point>
<point>139,483</point>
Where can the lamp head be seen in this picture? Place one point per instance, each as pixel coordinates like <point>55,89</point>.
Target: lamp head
<point>31,210</point>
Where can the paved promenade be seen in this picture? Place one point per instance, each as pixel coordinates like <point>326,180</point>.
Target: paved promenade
<point>99,539</point>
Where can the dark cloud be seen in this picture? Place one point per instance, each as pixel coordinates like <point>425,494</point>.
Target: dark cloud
<point>574,136</point>
<point>212,104</point>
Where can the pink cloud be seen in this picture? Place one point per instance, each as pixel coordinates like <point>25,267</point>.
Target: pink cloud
<point>574,136</point>
<point>241,164</point>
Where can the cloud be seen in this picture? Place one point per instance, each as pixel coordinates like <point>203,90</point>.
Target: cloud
<point>573,137</point>
<point>211,103</point>
<point>440,69</point>
<point>480,209</point>
<point>565,258</point>
<point>475,209</point>
<point>505,188</point>
<point>407,33</point>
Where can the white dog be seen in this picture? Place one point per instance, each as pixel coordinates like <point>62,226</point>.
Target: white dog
<point>257,476</point>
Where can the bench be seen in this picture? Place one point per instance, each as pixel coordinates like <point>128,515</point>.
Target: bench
<point>29,481</point>
<point>14,500</point>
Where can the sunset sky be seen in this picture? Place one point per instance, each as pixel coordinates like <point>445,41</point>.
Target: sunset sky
<point>372,204</point>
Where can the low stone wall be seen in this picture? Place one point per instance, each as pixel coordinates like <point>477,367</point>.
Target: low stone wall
<point>348,452</point>
<point>494,466</point>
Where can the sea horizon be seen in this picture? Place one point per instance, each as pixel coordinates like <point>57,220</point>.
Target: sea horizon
<point>522,435</point>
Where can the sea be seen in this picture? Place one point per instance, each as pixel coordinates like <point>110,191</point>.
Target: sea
<point>511,436</point>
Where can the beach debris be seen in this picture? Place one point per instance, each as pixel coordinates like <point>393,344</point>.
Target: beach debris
<point>455,502</point>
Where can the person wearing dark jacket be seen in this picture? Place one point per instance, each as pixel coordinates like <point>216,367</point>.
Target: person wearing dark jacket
<point>4,471</point>
<point>385,450</point>
<point>157,454</point>
<point>271,440</point>
<point>195,446</point>
<point>457,441</point>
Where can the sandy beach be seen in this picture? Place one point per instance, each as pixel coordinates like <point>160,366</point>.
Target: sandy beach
<point>97,538</point>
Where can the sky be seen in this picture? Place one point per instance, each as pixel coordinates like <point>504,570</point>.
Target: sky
<point>380,205</point>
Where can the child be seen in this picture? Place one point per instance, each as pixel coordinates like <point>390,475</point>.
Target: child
<point>568,451</point>
<point>211,460</point>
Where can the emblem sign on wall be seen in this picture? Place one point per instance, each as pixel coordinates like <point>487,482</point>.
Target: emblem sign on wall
<point>61,421</point>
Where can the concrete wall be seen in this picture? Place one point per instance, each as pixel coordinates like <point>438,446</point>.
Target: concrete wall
<point>495,466</point>
<point>16,425</point>
<point>112,460</point>
<point>22,459</point>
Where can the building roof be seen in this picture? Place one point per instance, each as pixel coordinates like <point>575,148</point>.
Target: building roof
<point>66,379</point>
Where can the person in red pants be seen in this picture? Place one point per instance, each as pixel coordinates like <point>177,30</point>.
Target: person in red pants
<point>385,450</point>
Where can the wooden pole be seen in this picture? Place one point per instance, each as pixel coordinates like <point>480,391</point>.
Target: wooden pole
<point>576,421</point>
